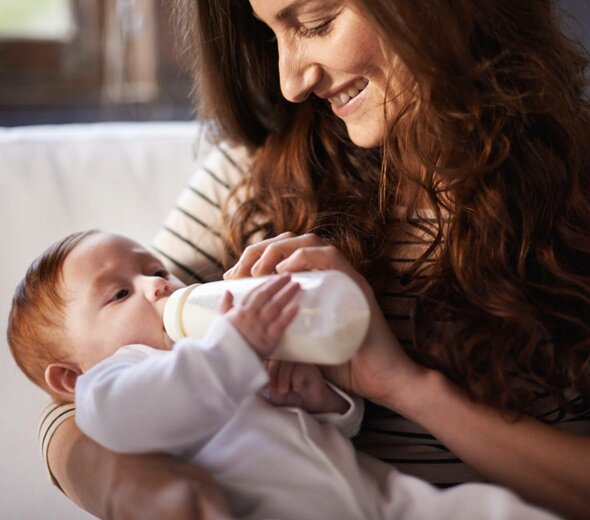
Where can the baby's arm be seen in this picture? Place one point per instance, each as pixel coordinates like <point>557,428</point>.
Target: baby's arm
<point>147,400</point>
<point>195,389</point>
<point>261,318</point>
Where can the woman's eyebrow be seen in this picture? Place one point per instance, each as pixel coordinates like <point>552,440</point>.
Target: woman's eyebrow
<point>286,12</point>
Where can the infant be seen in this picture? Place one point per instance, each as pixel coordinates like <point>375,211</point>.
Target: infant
<point>86,325</point>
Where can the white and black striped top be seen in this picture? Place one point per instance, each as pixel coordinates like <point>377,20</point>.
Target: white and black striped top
<point>190,244</point>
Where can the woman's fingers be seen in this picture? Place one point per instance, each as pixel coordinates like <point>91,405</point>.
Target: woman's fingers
<point>261,258</point>
<point>312,257</point>
<point>282,250</point>
<point>321,258</point>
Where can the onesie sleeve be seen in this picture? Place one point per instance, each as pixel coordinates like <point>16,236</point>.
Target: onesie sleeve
<point>147,400</point>
<point>348,423</point>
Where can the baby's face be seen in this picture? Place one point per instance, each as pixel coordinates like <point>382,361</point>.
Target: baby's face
<point>115,291</point>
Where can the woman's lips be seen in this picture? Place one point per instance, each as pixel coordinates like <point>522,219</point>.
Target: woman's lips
<point>348,93</point>
<point>347,100</point>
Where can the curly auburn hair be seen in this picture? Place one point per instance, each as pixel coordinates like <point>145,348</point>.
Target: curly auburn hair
<point>495,135</point>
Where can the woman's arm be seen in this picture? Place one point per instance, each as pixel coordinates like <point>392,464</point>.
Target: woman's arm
<point>544,465</point>
<point>130,486</point>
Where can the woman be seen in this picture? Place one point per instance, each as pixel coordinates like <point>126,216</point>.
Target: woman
<point>437,151</point>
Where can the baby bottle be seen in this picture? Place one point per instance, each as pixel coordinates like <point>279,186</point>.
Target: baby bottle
<point>329,327</point>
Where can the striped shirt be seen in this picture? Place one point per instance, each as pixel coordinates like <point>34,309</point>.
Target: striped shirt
<point>191,246</point>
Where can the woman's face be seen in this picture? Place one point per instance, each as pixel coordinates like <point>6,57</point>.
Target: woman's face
<point>328,49</point>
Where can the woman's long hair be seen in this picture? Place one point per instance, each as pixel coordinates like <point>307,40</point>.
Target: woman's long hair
<point>495,136</point>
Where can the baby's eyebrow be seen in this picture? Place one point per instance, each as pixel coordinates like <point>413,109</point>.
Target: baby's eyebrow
<point>103,277</point>
<point>144,253</point>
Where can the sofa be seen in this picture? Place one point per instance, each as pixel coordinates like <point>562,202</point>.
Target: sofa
<point>54,180</point>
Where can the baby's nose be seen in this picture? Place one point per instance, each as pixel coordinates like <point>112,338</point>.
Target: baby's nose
<point>157,288</point>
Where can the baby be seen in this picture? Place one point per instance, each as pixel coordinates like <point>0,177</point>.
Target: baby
<point>86,325</point>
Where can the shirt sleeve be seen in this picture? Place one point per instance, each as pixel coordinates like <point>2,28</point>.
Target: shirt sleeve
<point>348,423</point>
<point>190,242</point>
<point>146,400</point>
<point>52,416</point>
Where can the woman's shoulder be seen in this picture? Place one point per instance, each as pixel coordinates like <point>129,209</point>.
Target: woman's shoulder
<point>52,416</point>
<point>226,163</point>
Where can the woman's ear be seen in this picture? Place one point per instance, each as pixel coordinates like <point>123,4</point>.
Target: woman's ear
<point>61,378</point>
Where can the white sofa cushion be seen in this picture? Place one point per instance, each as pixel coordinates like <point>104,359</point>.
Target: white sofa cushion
<point>55,180</point>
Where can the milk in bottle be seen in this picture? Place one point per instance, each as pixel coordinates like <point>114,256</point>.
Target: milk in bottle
<point>329,327</point>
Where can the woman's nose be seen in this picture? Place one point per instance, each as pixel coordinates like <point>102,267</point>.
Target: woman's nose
<point>156,288</point>
<point>299,73</point>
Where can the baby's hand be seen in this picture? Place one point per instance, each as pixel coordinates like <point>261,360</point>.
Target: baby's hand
<point>302,385</point>
<point>264,313</point>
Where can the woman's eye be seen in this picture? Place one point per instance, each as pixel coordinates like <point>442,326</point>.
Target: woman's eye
<point>120,295</point>
<point>317,30</point>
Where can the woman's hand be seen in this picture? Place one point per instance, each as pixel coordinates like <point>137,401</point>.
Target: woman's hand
<point>380,370</point>
<point>290,253</point>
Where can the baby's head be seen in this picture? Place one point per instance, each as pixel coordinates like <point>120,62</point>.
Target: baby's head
<point>85,297</point>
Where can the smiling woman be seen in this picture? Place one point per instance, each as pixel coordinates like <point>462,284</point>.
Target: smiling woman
<point>426,141</point>
<point>328,50</point>
<point>438,153</point>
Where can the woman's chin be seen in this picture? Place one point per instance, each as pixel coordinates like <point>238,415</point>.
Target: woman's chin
<point>365,136</point>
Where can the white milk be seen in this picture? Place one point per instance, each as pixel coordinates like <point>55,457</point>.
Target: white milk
<point>330,326</point>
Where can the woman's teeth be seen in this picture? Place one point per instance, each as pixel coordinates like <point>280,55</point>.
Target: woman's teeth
<point>351,92</point>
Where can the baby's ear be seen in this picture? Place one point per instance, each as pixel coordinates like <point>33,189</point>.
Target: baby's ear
<point>61,378</point>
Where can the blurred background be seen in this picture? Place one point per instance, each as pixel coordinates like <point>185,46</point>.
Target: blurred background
<point>89,60</point>
<point>110,60</point>
<point>82,61</point>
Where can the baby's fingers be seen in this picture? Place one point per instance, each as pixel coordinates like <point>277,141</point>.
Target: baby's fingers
<point>287,295</point>
<point>277,326</point>
<point>279,385</point>
<point>226,303</point>
<point>256,298</point>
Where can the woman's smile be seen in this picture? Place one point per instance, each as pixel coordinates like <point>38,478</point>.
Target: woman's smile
<point>348,92</point>
<point>343,63</point>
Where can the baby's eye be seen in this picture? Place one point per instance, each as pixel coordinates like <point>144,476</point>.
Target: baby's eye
<point>161,273</point>
<point>121,294</point>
